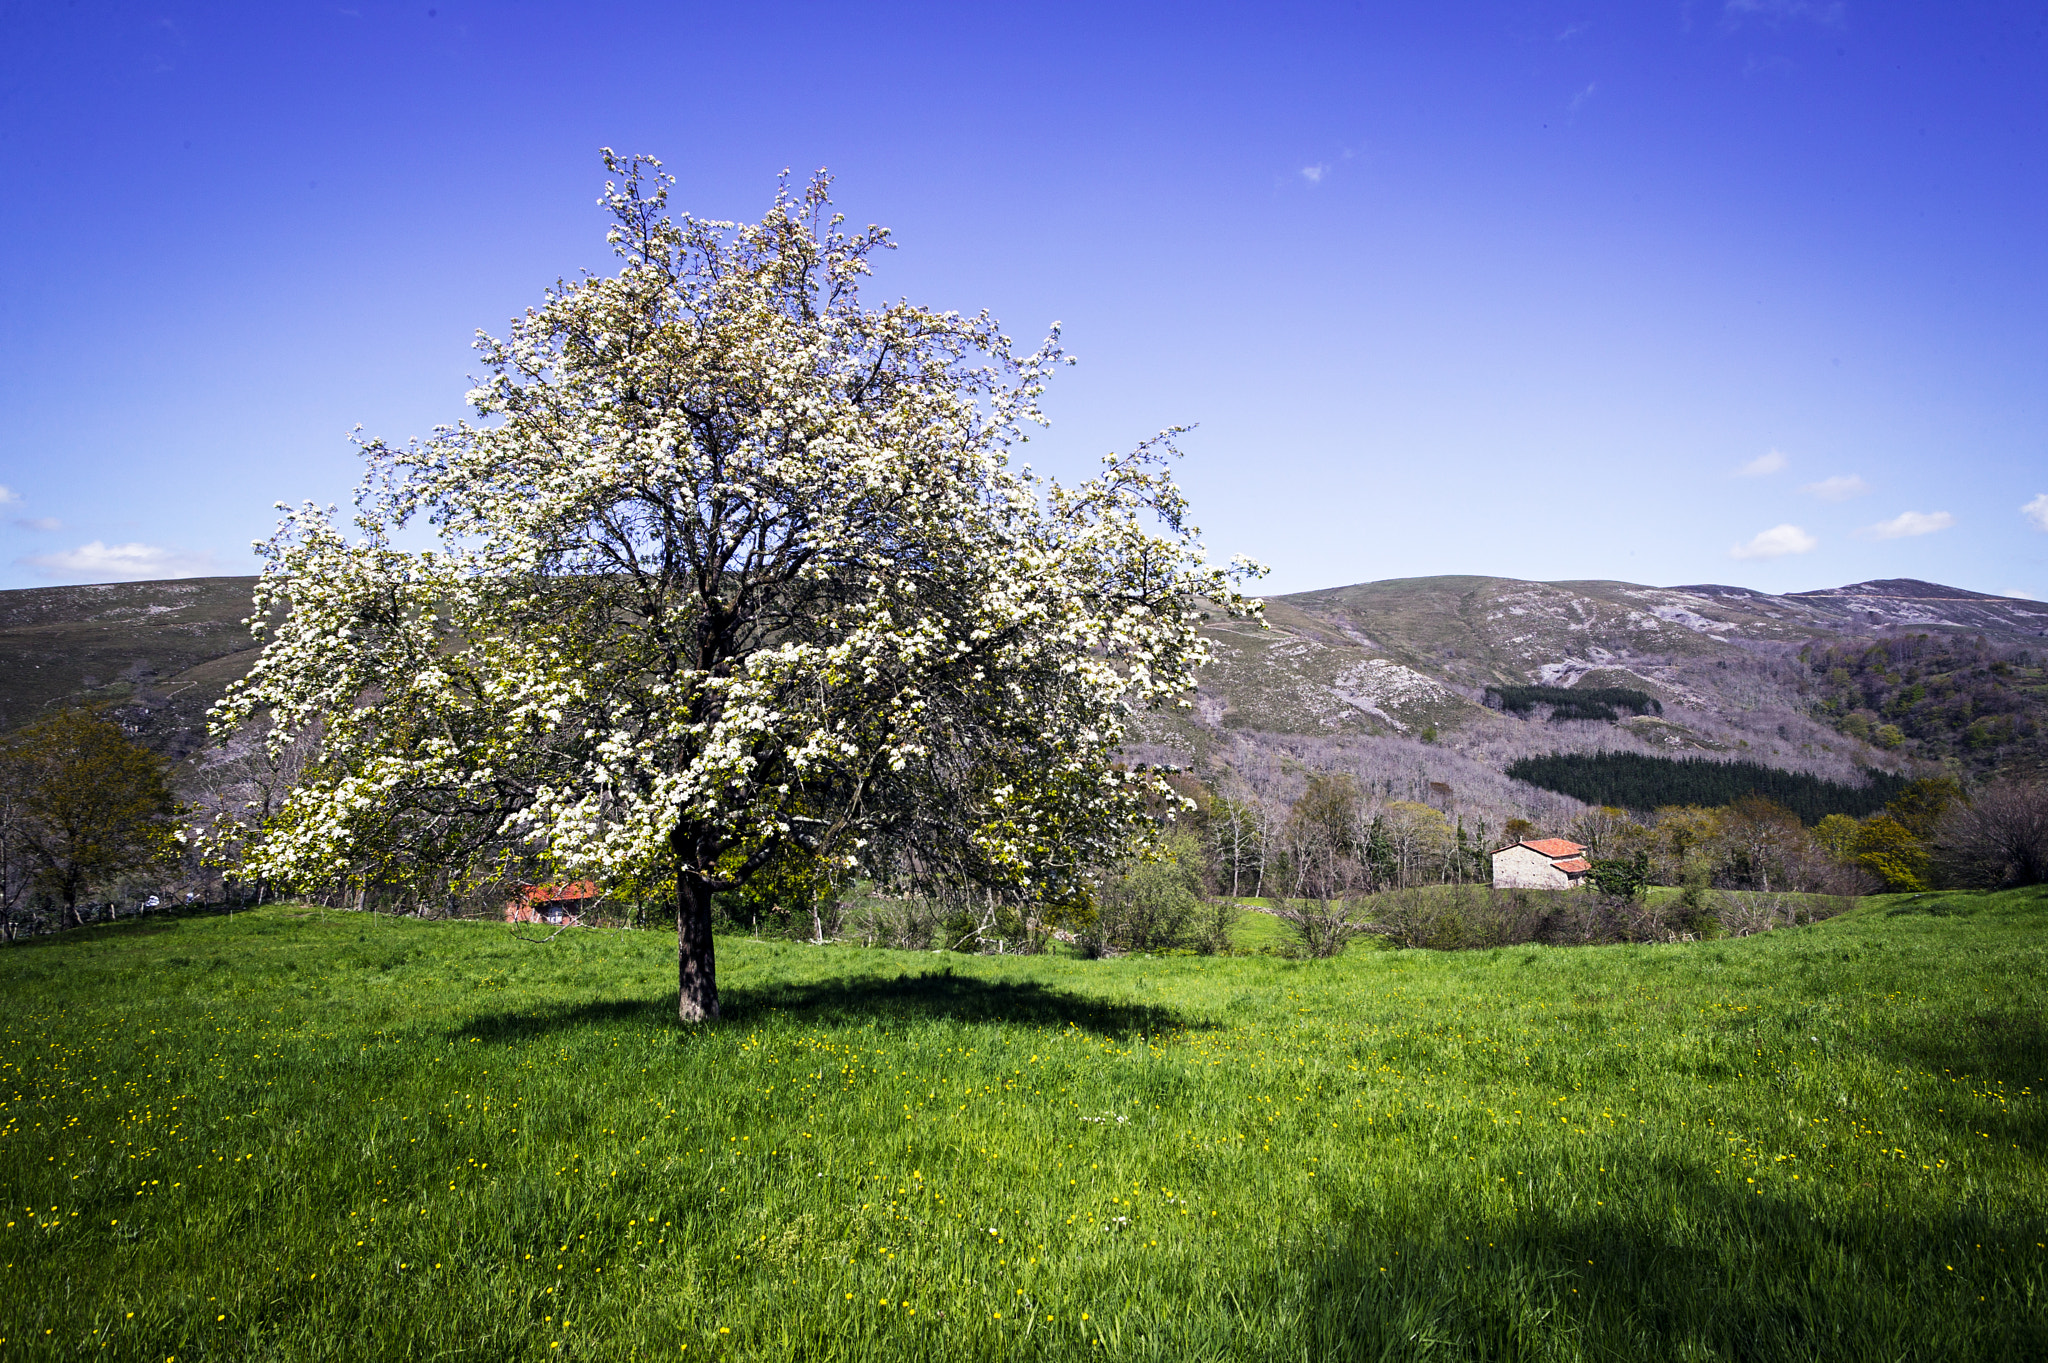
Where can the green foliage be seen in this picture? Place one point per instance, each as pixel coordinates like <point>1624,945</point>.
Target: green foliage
<point>983,924</point>
<point>1890,851</point>
<point>1936,696</point>
<point>1622,877</point>
<point>330,1137</point>
<point>1696,897</point>
<point>1635,781</point>
<point>1590,702</point>
<point>1836,835</point>
<point>1155,902</point>
<point>84,803</point>
<point>1920,804</point>
<point>1216,926</point>
<point>792,894</point>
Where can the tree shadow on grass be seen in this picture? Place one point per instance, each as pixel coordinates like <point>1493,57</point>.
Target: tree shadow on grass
<point>944,996</point>
<point>1992,1050</point>
<point>2007,1044</point>
<point>937,996</point>
<point>1714,1275</point>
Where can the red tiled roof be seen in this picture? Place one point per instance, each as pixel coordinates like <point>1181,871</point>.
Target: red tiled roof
<point>549,894</point>
<point>1573,865</point>
<point>1554,847</point>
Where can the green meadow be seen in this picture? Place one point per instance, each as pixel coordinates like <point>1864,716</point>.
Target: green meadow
<point>296,1134</point>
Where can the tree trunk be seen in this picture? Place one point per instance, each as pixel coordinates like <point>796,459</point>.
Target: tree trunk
<point>697,971</point>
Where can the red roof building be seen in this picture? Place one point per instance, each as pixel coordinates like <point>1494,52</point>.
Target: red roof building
<point>1541,864</point>
<point>564,903</point>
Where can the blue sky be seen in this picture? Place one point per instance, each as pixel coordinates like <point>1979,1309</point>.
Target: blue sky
<point>1538,290</point>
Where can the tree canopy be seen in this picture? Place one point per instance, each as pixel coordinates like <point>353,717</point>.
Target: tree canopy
<point>82,803</point>
<point>1638,781</point>
<point>733,569</point>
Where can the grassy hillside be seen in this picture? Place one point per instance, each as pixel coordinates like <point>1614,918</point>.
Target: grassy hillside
<point>302,1135</point>
<point>159,653</point>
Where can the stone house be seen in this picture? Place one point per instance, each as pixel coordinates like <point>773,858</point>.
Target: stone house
<point>553,903</point>
<point>1541,864</point>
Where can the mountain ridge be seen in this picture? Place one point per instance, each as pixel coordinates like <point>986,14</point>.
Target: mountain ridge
<point>1390,676</point>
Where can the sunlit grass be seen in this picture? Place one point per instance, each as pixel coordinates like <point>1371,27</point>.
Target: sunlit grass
<point>297,1134</point>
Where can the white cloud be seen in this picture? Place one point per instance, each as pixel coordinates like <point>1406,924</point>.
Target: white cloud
<point>1909,523</point>
<point>1761,465</point>
<point>2037,511</point>
<point>1830,12</point>
<point>97,562</point>
<point>1776,542</point>
<point>1839,488</point>
<point>8,496</point>
<point>1314,174</point>
<point>38,523</point>
<point>1579,100</point>
<point>2016,594</point>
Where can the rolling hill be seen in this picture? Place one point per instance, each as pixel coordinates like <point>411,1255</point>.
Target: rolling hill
<point>1388,679</point>
<point>156,654</point>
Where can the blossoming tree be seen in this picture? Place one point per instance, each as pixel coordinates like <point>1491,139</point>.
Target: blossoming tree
<point>735,579</point>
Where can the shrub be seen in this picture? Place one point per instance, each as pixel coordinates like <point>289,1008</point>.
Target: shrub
<point>1322,927</point>
<point>1152,904</point>
<point>1213,922</point>
<point>1622,877</point>
<point>1745,913</point>
<point>910,922</point>
<point>981,926</point>
<point>1475,917</point>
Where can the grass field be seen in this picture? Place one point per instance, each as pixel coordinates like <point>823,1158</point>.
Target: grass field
<point>304,1135</point>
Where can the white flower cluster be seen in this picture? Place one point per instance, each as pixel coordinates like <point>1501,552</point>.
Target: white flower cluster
<point>732,568</point>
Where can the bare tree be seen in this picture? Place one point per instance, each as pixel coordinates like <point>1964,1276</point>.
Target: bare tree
<point>1324,865</point>
<point>1998,839</point>
<point>1758,838</point>
<point>1271,822</point>
<point>1234,834</point>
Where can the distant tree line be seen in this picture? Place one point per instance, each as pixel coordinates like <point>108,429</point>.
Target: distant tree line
<point>1637,781</point>
<point>1342,860</point>
<point>1591,702</point>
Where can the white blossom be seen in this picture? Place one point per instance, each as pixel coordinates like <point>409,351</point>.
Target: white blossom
<point>731,567</point>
